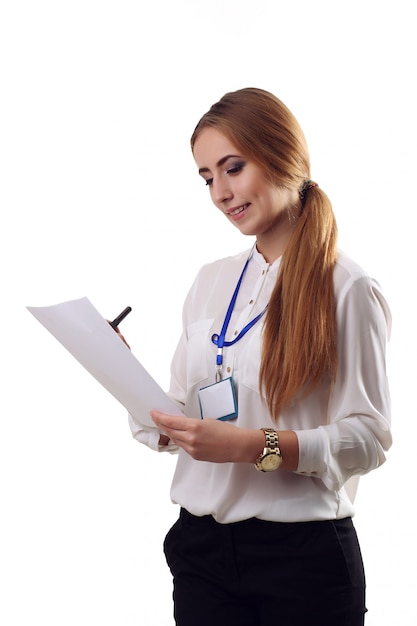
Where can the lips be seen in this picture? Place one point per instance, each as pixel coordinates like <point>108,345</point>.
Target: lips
<point>238,210</point>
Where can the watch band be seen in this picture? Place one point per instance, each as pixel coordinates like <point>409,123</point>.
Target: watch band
<point>270,458</point>
<point>271,438</point>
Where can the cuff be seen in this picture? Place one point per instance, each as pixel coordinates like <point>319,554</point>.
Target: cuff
<point>312,451</point>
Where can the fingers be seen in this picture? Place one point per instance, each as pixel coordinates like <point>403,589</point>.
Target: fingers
<point>116,330</point>
<point>181,430</point>
<point>122,338</point>
<point>173,422</point>
<point>204,440</point>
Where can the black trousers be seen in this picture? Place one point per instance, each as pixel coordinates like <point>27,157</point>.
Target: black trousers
<point>257,573</point>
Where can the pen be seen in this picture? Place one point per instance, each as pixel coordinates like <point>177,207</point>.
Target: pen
<point>114,324</point>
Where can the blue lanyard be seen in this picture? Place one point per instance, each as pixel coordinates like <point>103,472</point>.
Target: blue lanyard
<point>220,340</point>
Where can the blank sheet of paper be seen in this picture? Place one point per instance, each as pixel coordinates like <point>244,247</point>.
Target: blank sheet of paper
<point>80,328</point>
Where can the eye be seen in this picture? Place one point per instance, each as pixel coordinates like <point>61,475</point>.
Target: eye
<point>209,182</point>
<point>235,169</point>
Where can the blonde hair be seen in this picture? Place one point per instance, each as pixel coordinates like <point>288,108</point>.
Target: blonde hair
<point>299,335</point>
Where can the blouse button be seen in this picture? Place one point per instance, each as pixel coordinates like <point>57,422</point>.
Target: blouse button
<point>228,370</point>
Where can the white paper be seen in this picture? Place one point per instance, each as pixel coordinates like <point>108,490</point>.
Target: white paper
<point>92,341</point>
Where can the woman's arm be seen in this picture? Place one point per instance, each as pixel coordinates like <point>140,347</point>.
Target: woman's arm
<point>221,442</point>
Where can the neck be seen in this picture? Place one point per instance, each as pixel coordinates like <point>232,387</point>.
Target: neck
<point>272,248</point>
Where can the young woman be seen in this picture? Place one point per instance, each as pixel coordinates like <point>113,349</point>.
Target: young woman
<point>280,373</point>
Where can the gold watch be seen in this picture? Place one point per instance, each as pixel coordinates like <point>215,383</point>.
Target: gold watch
<point>270,458</point>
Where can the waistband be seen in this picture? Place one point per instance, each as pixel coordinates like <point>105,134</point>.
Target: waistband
<point>208,520</point>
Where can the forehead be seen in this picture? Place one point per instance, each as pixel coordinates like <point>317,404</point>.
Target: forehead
<point>211,146</point>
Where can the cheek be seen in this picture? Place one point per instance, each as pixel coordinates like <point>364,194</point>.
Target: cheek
<point>245,189</point>
<point>256,188</point>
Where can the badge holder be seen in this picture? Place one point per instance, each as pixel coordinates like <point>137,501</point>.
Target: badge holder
<point>218,401</point>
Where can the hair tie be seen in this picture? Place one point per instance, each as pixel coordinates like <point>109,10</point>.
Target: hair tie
<point>307,184</point>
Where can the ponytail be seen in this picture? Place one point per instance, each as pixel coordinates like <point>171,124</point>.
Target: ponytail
<point>299,336</point>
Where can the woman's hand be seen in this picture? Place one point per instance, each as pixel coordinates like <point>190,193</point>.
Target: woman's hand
<point>120,334</point>
<point>210,439</point>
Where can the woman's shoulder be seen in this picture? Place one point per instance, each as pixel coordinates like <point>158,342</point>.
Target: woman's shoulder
<point>354,285</point>
<point>349,273</point>
<point>347,268</point>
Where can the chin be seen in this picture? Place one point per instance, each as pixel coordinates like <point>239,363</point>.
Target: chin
<point>246,230</point>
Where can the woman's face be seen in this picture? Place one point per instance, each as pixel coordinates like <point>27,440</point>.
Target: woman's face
<point>239,188</point>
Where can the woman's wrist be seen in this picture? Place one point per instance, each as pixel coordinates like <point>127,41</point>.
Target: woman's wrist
<point>254,442</point>
<point>288,444</point>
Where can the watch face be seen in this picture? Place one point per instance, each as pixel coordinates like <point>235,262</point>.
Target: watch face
<point>271,462</point>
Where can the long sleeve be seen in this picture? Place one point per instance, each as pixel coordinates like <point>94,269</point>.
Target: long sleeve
<point>358,429</point>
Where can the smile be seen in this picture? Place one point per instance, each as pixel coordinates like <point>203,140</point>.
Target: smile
<point>238,210</point>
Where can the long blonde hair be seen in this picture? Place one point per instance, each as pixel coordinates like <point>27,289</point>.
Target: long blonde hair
<point>299,335</point>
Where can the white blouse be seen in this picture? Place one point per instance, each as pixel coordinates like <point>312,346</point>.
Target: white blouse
<point>342,432</point>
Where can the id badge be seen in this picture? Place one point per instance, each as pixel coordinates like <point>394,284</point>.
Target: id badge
<point>218,401</point>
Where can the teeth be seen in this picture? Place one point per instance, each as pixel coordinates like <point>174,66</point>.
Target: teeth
<point>238,210</point>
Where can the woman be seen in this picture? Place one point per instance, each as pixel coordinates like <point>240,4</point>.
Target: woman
<point>283,356</point>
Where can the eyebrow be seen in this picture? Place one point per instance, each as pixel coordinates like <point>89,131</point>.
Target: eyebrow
<point>219,163</point>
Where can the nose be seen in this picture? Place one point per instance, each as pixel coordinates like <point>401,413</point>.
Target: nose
<point>221,190</point>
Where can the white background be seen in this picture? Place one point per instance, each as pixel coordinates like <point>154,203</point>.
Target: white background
<point>100,198</point>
